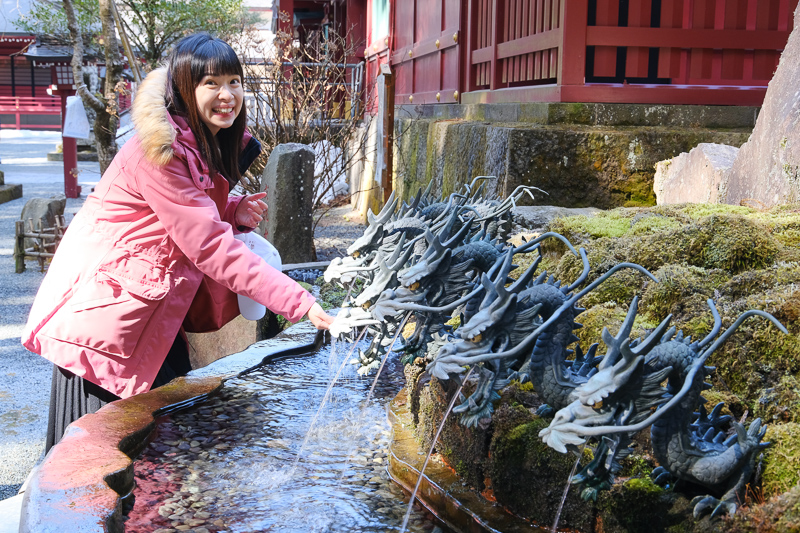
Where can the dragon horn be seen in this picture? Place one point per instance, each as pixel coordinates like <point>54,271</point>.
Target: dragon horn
<point>717,324</point>
<point>383,267</point>
<point>608,274</point>
<point>414,206</point>
<point>738,322</point>
<point>550,234</point>
<point>526,277</point>
<point>479,178</point>
<point>653,339</point>
<point>385,213</point>
<point>398,249</point>
<point>451,221</point>
<point>459,236</point>
<point>584,274</point>
<point>615,342</point>
<point>403,259</point>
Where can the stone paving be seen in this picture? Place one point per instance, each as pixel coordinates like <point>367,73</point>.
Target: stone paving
<point>25,377</point>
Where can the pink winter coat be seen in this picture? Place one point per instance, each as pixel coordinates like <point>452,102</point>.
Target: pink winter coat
<point>127,270</point>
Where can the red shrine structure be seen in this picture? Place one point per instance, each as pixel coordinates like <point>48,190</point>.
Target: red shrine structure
<point>710,52</point>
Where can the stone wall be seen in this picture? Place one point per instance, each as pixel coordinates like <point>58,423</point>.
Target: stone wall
<point>600,155</point>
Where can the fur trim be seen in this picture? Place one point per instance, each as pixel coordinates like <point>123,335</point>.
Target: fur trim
<point>149,116</point>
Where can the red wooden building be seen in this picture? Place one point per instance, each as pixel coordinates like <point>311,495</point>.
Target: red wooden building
<point>24,101</point>
<point>712,52</point>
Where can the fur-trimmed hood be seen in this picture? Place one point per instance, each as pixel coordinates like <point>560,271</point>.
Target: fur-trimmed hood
<point>151,118</point>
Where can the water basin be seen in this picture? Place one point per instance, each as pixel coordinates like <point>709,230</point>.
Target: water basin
<point>238,462</point>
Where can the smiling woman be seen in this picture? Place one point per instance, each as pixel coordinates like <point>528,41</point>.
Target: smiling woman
<point>152,253</point>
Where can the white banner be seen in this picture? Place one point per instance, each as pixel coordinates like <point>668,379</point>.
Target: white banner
<point>76,123</point>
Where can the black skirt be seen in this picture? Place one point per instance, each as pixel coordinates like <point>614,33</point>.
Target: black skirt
<point>71,396</point>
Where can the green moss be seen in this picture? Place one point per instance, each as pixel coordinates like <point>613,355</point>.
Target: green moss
<point>643,485</point>
<point>653,224</point>
<point>636,466</point>
<point>632,506</point>
<point>579,229</point>
<point>699,211</point>
<point>527,386</point>
<point>528,477</point>
<point>675,284</point>
<point>332,295</point>
<point>781,403</point>
<point>637,190</point>
<point>782,459</point>
<point>737,243</point>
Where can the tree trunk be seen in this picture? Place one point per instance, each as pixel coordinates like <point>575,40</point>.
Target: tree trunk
<point>106,106</point>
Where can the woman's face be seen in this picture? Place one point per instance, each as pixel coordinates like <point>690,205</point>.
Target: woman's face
<point>219,100</point>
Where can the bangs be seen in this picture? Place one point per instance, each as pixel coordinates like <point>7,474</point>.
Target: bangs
<point>215,58</point>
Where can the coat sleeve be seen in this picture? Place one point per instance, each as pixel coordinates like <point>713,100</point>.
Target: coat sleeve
<point>192,220</point>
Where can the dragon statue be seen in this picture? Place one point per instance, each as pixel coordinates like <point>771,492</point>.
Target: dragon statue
<point>688,443</point>
<point>431,260</point>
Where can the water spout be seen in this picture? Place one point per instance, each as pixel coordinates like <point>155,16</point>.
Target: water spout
<point>566,491</point>
<point>430,452</point>
<point>325,399</point>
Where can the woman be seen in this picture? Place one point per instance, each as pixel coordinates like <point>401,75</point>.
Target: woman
<point>156,235</point>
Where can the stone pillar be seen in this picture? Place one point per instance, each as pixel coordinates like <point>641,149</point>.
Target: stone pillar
<point>288,180</point>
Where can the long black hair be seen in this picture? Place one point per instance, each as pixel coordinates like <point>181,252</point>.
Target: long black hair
<point>193,58</point>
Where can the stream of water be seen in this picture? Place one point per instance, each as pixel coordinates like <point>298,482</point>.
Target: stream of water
<point>226,465</point>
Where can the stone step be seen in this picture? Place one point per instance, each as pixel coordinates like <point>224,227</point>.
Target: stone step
<point>10,192</point>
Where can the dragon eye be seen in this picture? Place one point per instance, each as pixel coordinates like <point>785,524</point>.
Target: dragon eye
<point>598,405</point>
<point>356,254</point>
<point>414,286</point>
<point>477,338</point>
<point>367,305</point>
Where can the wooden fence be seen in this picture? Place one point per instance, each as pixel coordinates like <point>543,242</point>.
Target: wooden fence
<point>29,105</point>
<point>45,242</point>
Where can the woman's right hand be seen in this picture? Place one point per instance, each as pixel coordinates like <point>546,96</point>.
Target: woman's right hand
<point>319,317</point>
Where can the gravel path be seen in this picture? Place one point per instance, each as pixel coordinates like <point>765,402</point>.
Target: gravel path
<point>25,377</point>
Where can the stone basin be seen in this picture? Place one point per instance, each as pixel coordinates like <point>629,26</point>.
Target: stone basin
<point>86,481</point>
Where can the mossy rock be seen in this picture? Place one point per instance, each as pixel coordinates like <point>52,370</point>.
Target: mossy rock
<point>632,507</point>
<point>781,459</point>
<point>528,478</point>
<point>610,316</point>
<point>779,514</point>
<point>728,241</point>
<point>781,403</point>
<point>464,449</point>
<point>675,284</point>
<point>331,295</point>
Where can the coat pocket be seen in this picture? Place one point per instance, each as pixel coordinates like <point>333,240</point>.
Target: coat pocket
<point>108,313</point>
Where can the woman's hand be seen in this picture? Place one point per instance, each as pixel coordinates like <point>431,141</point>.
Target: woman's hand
<point>251,210</point>
<point>319,317</point>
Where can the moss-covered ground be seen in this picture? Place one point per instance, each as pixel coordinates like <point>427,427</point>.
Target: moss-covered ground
<point>737,257</point>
